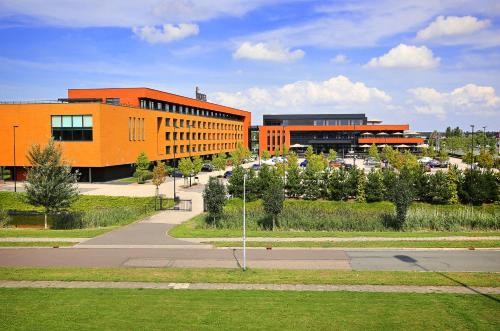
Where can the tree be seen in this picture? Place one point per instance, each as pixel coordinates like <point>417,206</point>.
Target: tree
<point>361,187</point>
<point>388,153</point>
<point>219,162</point>
<point>235,182</point>
<point>293,182</point>
<point>338,185</point>
<point>273,198</point>
<point>214,197</point>
<point>159,174</point>
<point>439,190</point>
<point>454,176</point>
<point>373,152</point>
<point>49,182</point>
<point>332,154</point>
<point>239,155</point>
<point>402,197</point>
<point>276,152</point>
<point>286,151</point>
<point>389,180</point>
<point>485,159</point>
<point>142,172</point>
<point>468,157</point>
<point>186,167</point>
<point>374,186</point>
<point>265,155</point>
<point>479,187</point>
<point>197,165</point>
<point>309,152</point>
<point>443,154</point>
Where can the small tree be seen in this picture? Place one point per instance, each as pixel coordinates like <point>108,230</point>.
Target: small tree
<point>402,197</point>
<point>309,152</point>
<point>186,167</point>
<point>439,190</point>
<point>360,188</point>
<point>273,199</point>
<point>142,172</point>
<point>220,162</point>
<point>159,174</point>
<point>276,152</point>
<point>49,182</point>
<point>235,182</point>
<point>374,186</point>
<point>454,176</point>
<point>286,151</point>
<point>373,152</point>
<point>239,155</point>
<point>293,183</point>
<point>338,185</point>
<point>332,154</point>
<point>485,159</point>
<point>265,155</point>
<point>197,165</point>
<point>214,197</point>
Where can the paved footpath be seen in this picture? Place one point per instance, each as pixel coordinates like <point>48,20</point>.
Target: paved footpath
<point>262,287</point>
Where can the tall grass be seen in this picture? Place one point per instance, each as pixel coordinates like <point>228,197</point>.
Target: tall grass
<point>320,215</point>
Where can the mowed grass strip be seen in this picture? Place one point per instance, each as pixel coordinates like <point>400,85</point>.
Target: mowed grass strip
<point>254,276</point>
<point>133,309</point>
<point>41,233</point>
<point>365,244</point>
<point>194,229</point>
<point>35,243</point>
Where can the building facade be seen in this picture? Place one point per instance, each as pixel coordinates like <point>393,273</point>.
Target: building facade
<point>341,132</point>
<point>102,131</point>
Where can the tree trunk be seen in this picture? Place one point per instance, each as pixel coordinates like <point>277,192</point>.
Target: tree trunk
<point>274,222</point>
<point>45,219</point>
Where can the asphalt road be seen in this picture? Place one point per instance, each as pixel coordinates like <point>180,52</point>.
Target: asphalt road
<point>376,259</point>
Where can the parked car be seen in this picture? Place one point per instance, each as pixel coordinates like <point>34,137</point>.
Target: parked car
<point>268,162</point>
<point>228,174</point>
<point>303,164</point>
<point>424,160</point>
<point>444,164</point>
<point>207,167</point>
<point>177,174</point>
<point>371,161</point>
<point>348,166</point>
<point>434,164</point>
<point>256,167</point>
<point>338,162</point>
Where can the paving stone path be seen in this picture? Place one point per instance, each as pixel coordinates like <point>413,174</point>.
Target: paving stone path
<point>264,287</point>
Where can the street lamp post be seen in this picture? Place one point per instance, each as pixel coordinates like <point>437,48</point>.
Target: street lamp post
<point>244,224</point>
<point>190,147</point>
<point>484,136</point>
<point>15,168</point>
<point>175,167</point>
<point>472,147</point>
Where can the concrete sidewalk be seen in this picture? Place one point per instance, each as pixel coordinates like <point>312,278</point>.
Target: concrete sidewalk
<point>260,287</point>
<point>339,239</point>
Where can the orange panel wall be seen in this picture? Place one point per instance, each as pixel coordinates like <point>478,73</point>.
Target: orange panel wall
<point>391,140</point>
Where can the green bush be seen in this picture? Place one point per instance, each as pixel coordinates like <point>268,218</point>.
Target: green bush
<point>143,175</point>
<point>4,218</point>
<point>321,215</point>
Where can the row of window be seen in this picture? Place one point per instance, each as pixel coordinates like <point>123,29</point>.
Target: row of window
<point>202,124</point>
<point>187,110</point>
<point>136,129</point>
<point>202,136</point>
<point>72,127</point>
<point>199,148</point>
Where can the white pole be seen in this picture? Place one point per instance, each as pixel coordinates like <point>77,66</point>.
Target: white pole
<point>244,225</point>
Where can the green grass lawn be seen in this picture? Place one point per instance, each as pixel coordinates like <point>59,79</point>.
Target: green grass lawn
<point>41,233</point>
<point>194,228</point>
<point>127,180</point>
<point>133,309</point>
<point>365,244</point>
<point>35,244</point>
<point>253,276</point>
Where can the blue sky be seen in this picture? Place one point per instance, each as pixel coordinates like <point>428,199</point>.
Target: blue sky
<point>427,63</point>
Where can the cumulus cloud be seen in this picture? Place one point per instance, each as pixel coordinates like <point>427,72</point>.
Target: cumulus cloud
<point>468,99</point>
<point>267,52</point>
<point>452,26</point>
<point>335,92</point>
<point>166,33</point>
<point>406,56</point>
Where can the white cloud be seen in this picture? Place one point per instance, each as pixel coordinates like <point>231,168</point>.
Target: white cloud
<point>166,33</point>
<point>406,56</point>
<point>470,99</point>
<point>267,52</point>
<point>335,93</point>
<point>452,26</point>
<point>339,58</point>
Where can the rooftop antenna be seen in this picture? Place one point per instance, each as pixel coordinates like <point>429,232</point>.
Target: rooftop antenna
<point>200,96</point>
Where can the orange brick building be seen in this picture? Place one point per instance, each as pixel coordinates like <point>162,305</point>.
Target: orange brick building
<point>102,131</point>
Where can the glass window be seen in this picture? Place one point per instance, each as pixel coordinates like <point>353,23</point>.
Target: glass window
<point>66,122</point>
<point>167,121</point>
<point>87,121</point>
<point>56,121</point>
<point>77,122</point>
<point>113,101</point>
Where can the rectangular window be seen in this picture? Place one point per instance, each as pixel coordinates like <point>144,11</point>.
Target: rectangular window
<point>113,101</point>
<point>181,123</point>
<point>175,122</point>
<point>167,149</point>
<point>167,121</point>
<point>167,135</point>
<point>143,129</point>
<point>71,127</point>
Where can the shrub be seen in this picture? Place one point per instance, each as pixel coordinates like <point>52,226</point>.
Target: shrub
<point>439,190</point>
<point>479,187</point>
<point>374,186</point>
<point>273,199</point>
<point>402,196</point>
<point>143,175</point>
<point>235,182</point>
<point>4,218</point>
<point>214,197</point>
